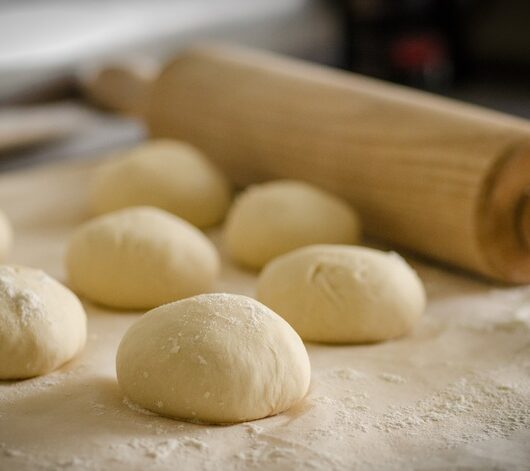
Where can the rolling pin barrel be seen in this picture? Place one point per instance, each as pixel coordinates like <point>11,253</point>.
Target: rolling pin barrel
<point>432,175</point>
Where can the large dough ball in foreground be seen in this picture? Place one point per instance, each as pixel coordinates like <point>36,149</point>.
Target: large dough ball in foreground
<point>140,258</point>
<point>274,218</point>
<point>42,323</point>
<point>167,174</point>
<point>214,358</point>
<point>6,235</point>
<point>341,294</point>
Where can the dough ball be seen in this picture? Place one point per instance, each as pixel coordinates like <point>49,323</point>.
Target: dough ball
<point>6,236</point>
<point>274,218</point>
<point>42,323</point>
<point>341,294</point>
<point>140,258</point>
<point>167,174</point>
<point>213,358</point>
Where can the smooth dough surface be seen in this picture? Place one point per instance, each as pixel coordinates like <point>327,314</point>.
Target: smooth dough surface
<point>171,175</point>
<point>6,236</point>
<point>273,218</point>
<point>342,294</point>
<point>42,323</point>
<point>140,258</point>
<point>213,358</point>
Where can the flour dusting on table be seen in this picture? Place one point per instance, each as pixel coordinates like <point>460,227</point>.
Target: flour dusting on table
<point>454,393</point>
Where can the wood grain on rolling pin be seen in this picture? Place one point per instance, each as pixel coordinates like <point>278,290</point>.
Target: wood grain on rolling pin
<point>435,176</point>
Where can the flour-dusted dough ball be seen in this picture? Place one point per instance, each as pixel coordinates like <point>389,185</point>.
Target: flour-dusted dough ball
<point>6,236</point>
<point>341,294</point>
<point>42,323</point>
<point>274,218</point>
<point>140,258</point>
<point>214,358</point>
<point>167,174</point>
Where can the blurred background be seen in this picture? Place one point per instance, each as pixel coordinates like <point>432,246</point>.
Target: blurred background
<point>474,50</point>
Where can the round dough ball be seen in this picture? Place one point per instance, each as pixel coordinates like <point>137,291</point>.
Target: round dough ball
<point>6,236</point>
<point>42,323</point>
<point>341,294</point>
<point>140,258</point>
<point>213,358</point>
<point>167,174</point>
<point>274,218</point>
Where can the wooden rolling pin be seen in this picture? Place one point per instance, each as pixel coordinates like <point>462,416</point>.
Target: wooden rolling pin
<point>444,179</point>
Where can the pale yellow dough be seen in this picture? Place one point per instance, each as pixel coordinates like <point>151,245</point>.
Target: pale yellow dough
<point>6,236</point>
<point>214,358</point>
<point>274,218</point>
<point>171,175</point>
<point>42,323</point>
<point>140,258</point>
<point>341,294</point>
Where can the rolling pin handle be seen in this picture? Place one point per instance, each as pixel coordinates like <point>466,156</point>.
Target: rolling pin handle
<point>122,87</point>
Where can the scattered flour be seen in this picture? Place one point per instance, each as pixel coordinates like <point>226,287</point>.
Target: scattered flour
<point>254,429</point>
<point>286,454</point>
<point>25,303</point>
<point>12,452</point>
<point>98,408</point>
<point>471,403</point>
<point>135,407</point>
<point>349,374</point>
<point>39,384</point>
<point>392,378</point>
<point>159,450</point>
<point>264,453</point>
<point>75,463</point>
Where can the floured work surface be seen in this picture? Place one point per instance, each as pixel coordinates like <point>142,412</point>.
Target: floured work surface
<point>454,394</point>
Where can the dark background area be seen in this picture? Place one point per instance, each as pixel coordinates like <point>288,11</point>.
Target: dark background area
<point>476,50</point>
